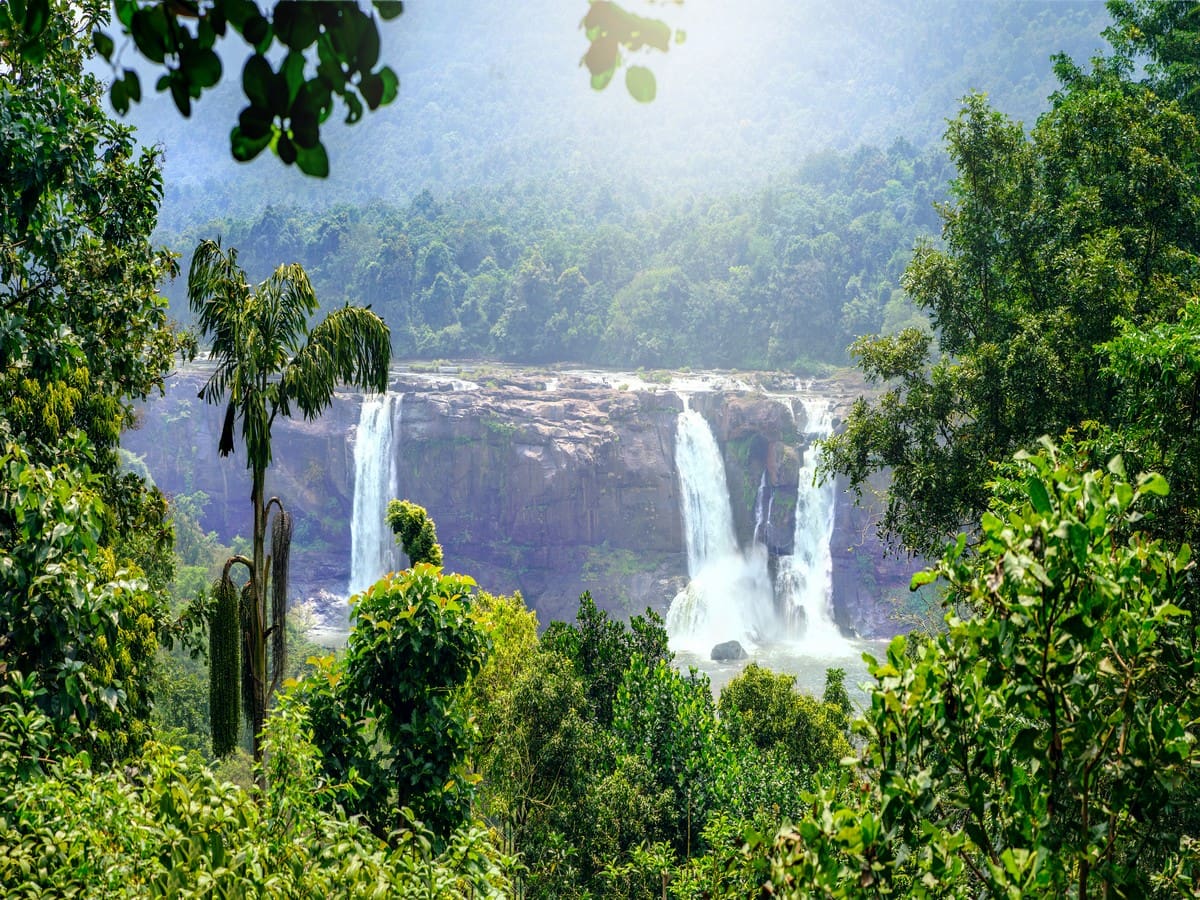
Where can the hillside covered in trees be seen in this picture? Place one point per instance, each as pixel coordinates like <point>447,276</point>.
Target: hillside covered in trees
<point>1037,404</point>
<point>785,277</point>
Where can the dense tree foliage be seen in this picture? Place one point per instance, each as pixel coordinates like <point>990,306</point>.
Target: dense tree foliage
<point>389,711</point>
<point>1044,744</point>
<point>85,552</point>
<point>609,771</point>
<point>415,532</point>
<point>764,709</point>
<point>170,828</point>
<point>1054,243</point>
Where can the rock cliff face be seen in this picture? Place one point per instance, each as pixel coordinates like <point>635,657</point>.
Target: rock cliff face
<point>551,486</point>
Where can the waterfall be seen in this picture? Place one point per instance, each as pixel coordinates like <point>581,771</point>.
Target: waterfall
<point>803,582</point>
<point>761,511</point>
<point>729,593</point>
<point>373,548</point>
<point>707,515</point>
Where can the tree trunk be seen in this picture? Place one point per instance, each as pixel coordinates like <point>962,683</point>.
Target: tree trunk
<point>256,637</point>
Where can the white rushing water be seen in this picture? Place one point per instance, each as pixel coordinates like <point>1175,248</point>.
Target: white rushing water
<point>762,513</point>
<point>373,548</point>
<point>804,580</point>
<point>729,595</point>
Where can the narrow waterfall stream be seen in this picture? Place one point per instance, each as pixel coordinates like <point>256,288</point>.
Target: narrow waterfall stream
<point>729,595</point>
<point>804,580</point>
<point>373,548</point>
<point>762,511</point>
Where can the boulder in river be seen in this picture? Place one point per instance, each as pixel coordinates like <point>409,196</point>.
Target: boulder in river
<point>728,651</point>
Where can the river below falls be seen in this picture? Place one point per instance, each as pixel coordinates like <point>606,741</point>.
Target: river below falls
<point>794,659</point>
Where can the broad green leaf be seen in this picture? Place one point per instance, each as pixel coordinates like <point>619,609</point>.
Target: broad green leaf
<point>601,80</point>
<point>103,44</point>
<point>368,47</point>
<point>148,28</point>
<point>1154,483</point>
<point>1038,495</point>
<point>1122,495</point>
<point>181,96</point>
<point>204,67</point>
<point>119,97</point>
<point>640,82</point>
<point>296,24</point>
<point>285,149</point>
<point>1078,536</point>
<point>304,129</point>
<point>133,85</point>
<point>246,148</point>
<point>257,76</point>
<point>292,71</point>
<point>37,14</point>
<point>389,9</point>
<point>371,88</point>
<point>257,32</point>
<point>925,576</point>
<point>255,123</point>
<point>313,161</point>
<point>391,85</point>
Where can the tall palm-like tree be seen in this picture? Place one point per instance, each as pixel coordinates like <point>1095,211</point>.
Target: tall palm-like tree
<point>269,363</point>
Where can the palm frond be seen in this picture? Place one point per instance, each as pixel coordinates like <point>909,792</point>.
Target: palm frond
<point>351,346</point>
<point>284,303</point>
<point>217,292</point>
<point>218,295</point>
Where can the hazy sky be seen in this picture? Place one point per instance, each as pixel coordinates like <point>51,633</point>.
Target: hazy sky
<point>493,91</point>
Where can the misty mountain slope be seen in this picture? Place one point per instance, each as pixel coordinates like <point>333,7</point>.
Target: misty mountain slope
<point>492,94</point>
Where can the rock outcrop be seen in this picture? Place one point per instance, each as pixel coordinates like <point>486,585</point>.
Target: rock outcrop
<point>551,485</point>
<point>728,651</point>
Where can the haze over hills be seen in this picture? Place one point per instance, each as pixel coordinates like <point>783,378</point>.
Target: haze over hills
<point>492,95</point>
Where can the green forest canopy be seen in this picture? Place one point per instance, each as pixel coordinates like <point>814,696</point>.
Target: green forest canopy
<point>785,277</point>
<point>1043,743</point>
